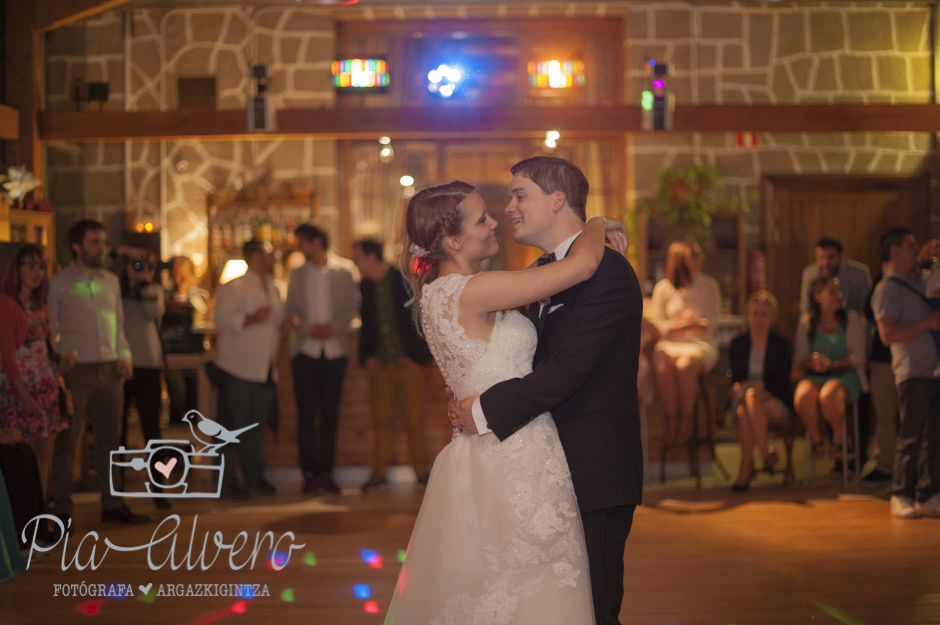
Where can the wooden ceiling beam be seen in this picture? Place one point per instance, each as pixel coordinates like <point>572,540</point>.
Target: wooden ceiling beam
<point>487,121</point>
<point>51,14</point>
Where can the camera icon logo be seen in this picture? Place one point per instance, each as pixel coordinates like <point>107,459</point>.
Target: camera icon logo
<point>161,456</point>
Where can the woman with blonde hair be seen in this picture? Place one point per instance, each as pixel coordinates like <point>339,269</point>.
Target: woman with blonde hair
<point>684,308</point>
<point>760,369</point>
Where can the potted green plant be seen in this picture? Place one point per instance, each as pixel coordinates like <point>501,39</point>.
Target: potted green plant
<point>685,199</point>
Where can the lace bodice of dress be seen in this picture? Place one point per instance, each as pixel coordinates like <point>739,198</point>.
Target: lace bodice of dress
<point>470,366</point>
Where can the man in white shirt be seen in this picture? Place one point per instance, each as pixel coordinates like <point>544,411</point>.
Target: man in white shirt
<point>87,317</point>
<point>322,294</point>
<point>250,319</point>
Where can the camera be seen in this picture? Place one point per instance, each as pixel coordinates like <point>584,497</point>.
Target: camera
<point>142,265</point>
<point>167,465</point>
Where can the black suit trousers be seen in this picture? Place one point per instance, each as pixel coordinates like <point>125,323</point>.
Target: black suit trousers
<point>318,386</point>
<point>605,533</point>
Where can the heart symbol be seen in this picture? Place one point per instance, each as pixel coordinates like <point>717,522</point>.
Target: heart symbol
<point>165,468</point>
<point>145,589</point>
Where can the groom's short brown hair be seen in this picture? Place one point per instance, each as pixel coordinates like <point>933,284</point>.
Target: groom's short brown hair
<point>556,174</point>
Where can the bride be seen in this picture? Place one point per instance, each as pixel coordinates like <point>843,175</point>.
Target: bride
<point>498,538</point>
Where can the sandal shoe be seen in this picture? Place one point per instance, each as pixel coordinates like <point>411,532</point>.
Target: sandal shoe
<point>818,452</point>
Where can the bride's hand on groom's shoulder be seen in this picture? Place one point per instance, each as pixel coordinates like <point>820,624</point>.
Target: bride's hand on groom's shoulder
<point>616,235</point>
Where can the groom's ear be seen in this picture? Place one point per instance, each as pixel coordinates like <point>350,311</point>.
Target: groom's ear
<point>558,201</point>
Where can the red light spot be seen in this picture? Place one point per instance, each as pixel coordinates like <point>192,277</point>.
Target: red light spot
<point>371,607</point>
<point>90,607</point>
<point>239,607</point>
<point>376,562</point>
<point>401,581</point>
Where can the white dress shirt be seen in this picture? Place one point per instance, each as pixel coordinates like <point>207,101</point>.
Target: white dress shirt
<point>248,352</point>
<point>86,312</point>
<point>319,295</point>
<point>478,417</point>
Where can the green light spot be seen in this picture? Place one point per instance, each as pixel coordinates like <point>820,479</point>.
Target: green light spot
<point>837,614</point>
<point>401,555</point>
<point>288,595</point>
<point>310,559</point>
<point>647,101</point>
<point>150,597</point>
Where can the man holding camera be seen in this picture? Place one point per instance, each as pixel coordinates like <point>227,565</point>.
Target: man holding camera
<point>87,318</point>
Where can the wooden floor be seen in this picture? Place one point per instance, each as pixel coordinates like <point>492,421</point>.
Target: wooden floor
<point>772,555</point>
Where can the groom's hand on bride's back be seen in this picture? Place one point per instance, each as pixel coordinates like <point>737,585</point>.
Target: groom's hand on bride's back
<point>461,415</point>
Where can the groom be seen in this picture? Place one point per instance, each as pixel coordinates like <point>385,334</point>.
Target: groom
<point>585,372</point>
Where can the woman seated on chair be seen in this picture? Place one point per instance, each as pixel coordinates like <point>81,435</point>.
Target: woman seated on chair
<point>760,369</point>
<point>684,308</point>
<point>830,348</point>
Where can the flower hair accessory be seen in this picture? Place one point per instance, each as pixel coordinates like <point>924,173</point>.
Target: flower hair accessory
<point>417,251</point>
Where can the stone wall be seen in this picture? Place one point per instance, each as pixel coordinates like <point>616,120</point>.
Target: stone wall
<point>807,53</point>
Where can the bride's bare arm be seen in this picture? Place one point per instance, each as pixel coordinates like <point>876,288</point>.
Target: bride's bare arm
<point>500,290</point>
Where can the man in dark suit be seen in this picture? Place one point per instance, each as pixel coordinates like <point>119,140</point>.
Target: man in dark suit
<point>585,372</point>
<point>396,357</point>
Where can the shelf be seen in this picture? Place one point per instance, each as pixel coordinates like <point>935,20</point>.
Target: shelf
<point>263,203</point>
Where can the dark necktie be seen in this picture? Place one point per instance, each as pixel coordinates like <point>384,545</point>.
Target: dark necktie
<point>544,260</point>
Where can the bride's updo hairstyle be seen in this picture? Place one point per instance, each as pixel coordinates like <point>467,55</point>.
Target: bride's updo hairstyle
<point>433,213</point>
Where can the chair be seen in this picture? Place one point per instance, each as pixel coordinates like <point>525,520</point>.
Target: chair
<point>809,461</point>
<point>787,430</point>
<point>695,441</point>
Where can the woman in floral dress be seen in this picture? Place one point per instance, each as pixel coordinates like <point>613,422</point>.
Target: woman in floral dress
<point>29,394</point>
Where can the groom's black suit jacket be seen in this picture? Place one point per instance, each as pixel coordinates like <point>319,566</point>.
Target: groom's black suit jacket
<point>585,372</point>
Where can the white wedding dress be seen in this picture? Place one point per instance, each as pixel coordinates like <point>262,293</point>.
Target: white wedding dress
<point>498,538</point>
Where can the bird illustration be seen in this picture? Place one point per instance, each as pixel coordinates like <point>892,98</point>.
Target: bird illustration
<point>206,429</point>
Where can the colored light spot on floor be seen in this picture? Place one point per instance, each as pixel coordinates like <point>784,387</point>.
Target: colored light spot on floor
<point>287,595</point>
<point>368,555</point>
<point>376,562</point>
<point>149,597</point>
<point>401,555</point>
<point>371,607</point>
<point>277,560</point>
<point>837,614</point>
<point>401,581</point>
<point>239,607</point>
<point>362,591</point>
<point>118,592</point>
<point>90,608</point>
<point>310,559</point>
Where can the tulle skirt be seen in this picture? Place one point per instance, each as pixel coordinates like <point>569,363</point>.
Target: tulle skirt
<point>498,538</point>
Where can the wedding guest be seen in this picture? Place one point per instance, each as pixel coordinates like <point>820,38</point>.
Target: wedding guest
<point>854,277</point>
<point>29,393</point>
<point>87,315</point>
<point>23,488</point>
<point>684,308</point>
<point>830,348</point>
<point>760,370</point>
<point>395,355</point>
<point>250,318</point>
<point>322,294</point>
<point>11,562</point>
<point>884,397</point>
<point>905,318</point>
<point>186,303</point>
<point>143,308</point>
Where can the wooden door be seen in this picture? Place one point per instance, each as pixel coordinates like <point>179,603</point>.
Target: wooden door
<point>797,211</point>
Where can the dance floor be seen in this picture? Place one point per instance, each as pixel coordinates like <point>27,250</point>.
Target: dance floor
<point>771,555</point>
